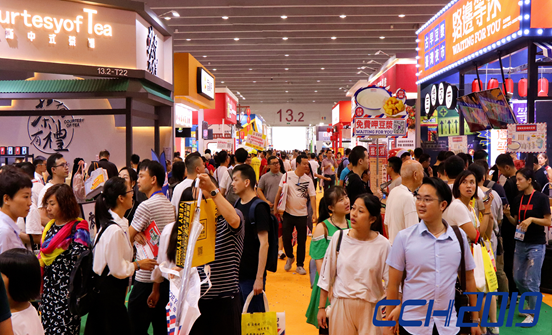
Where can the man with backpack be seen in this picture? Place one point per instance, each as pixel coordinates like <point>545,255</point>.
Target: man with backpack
<point>344,162</point>
<point>256,241</point>
<point>298,187</point>
<point>226,183</point>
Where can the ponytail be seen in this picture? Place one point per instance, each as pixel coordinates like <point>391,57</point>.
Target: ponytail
<point>107,200</point>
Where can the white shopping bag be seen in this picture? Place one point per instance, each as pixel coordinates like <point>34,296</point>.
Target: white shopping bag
<point>479,271</point>
<point>94,184</point>
<point>281,318</point>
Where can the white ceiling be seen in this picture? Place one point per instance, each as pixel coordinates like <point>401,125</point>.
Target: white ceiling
<point>255,65</point>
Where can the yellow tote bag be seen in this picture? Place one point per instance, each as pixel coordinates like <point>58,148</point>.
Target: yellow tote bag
<point>490,274</point>
<point>258,323</point>
<point>204,251</point>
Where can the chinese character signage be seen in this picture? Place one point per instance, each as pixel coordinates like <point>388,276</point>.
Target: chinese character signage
<point>520,110</point>
<point>379,126</point>
<point>458,144</point>
<point>466,27</point>
<point>255,140</point>
<point>527,138</point>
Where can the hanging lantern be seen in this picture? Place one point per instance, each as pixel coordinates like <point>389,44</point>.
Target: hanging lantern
<point>509,86</point>
<point>493,83</point>
<point>522,87</point>
<point>543,87</point>
<point>329,129</point>
<point>476,85</point>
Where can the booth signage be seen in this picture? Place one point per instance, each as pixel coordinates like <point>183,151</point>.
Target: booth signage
<point>335,114</point>
<point>255,140</point>
<point>183,117</point>
<point>51,134</point>
<point>205,84</point>
<point>527,138</point>
<point>381,126</point>
<point>520,110</point>
<point>442,94</point>
<point>466,27</point>
<point>69,32</point>
<point>458,143</point>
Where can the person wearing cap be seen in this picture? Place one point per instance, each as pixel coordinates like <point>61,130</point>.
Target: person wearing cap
<point>256,163</point>
<point>40,167</point>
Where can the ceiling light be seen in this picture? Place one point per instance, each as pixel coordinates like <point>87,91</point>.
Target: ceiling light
<point>382,37</point>
<point>284,38</point>
<point>214,69</point>
<point>341,88</point>
<point>188,39</point>
<point>284,17</point>
<point>315,91</point>
<point>286,91</point>
<point>222,82</point>
<point>286,55</point>
<point>238,92</point>
<point>236,39</point>
<point>250,69</point>
<point>167,18</point>
<point>286,69</point>
<point>314,101</point>
<point>401,15</point>
<point>333,37</point>
<point>343,16</point>
<point>225,17</point>
<point>318,81</point>
<point>175,13</point>
<point>322,68</point>
<point>254,81</point>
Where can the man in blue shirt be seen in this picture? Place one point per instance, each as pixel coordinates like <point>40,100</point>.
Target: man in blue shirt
<point>15,202</point>
<point>430,254</point>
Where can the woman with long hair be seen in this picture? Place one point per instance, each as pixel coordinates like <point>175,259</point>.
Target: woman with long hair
<point>530,213</point>
<point>64,239</point>
<point>356,286</point>
<point>333,208</point>
<point>113,260</point>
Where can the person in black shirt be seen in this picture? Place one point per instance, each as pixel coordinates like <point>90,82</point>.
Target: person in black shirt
<point>530,212</point>
<point>353,181</point>
<point>488,183</point>
<point>255,244</point>
<point>506,167</point>
<point>105,164</point>
<point>541,177</point>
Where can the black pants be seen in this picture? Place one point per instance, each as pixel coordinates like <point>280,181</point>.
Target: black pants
<point>219,316</point>
<point>108,314</point>
<point>403,331</point>
<point>328,184</point>
<point>299,223</point>
<point>141,315</point>
<point>509,244</point>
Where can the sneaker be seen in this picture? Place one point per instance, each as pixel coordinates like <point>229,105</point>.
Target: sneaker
<point>289,263</point>
<point>301,270</point>
<point>281,255</point>
<point>492,330</point>
<point>523,315</point>
<point>528,320</point>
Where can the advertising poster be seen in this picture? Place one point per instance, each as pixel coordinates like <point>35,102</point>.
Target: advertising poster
<point>255,140</point>
<point>378,162</point>
<point>526,138</point>
<point>458,144</point>
<point>473,113</point>
<point>496,107</point>
<point>378,112</point>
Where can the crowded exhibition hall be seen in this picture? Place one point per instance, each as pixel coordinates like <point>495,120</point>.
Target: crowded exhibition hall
<point>262,167</point>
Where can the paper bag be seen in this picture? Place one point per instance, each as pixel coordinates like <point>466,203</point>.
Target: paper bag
<point>94,185</point>
<point>204,251</point>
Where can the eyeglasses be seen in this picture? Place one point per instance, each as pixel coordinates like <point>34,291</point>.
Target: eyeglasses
<point>425,200</point>
<point>64,165</point>
<point>131,191</point>
<point>275,163</point>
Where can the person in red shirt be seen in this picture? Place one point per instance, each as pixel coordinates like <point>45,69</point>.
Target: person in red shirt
<point>264,163</point>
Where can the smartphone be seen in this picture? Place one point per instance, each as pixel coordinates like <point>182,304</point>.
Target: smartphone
<point>487,195</point>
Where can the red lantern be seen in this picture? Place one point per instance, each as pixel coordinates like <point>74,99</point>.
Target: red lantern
<point>477,85</point>
<point>543,87</point>
<point>493,83</point>
<point>329,130</point>
<point>522,87</point>
<point>509,86</point>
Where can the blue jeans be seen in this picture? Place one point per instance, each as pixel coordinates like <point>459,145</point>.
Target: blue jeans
<point>257,303</point>
<point>528,259</point>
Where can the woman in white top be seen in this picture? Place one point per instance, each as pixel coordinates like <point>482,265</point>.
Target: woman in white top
<point>356,286</point>
<point>113,260</point>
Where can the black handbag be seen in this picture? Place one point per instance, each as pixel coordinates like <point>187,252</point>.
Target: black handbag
<point>460,299</point>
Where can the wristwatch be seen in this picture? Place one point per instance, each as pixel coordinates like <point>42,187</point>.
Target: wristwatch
<point>215,192</point>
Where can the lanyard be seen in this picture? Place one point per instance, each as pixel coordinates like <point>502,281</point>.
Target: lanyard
<point>156,192</point>
<point>521,204</point>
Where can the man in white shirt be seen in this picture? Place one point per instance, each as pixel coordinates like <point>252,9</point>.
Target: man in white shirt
<point>40,167</point>
<point>194,166</point>
<point>400,209</point>
<point>299,188</point>
<point>31,228</point>
<point>58,168</point>
<point>15,202</point>
<point>221,173</point>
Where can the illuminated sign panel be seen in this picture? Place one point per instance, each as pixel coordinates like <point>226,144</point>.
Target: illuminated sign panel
<point>68,32</point>
<point>205,84</point>
<point>463,29</point>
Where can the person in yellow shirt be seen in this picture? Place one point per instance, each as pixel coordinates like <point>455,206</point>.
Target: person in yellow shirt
<point>256,163</point>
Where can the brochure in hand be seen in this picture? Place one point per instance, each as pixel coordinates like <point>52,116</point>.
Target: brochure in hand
<point>151,248</point>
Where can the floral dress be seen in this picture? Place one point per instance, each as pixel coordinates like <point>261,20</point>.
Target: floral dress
<point>56,317</point>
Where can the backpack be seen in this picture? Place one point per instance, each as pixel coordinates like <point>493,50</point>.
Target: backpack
<point>272,255</point>
<point>230,195</point>
<point>84,283</point>
<point>341,167</point>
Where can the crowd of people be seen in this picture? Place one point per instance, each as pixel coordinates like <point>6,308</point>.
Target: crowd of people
<point>418,230</point>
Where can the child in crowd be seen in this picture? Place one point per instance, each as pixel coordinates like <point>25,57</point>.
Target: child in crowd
<point>20,271</point>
